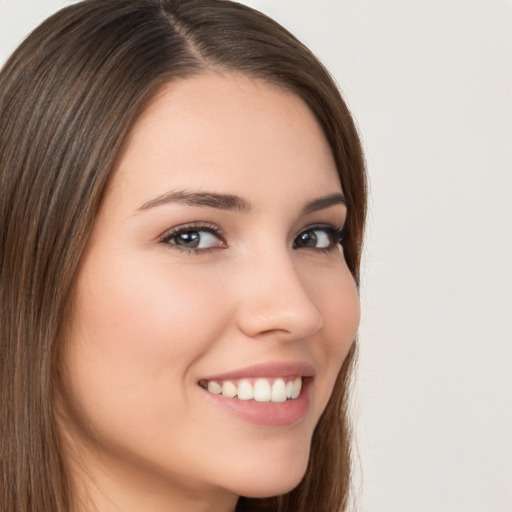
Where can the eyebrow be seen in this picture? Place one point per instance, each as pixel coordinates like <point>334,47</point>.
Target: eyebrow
<point>324,202</point>
<point>208,199</point>
<point>232,202</point>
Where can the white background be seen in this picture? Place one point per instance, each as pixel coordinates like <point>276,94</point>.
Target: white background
<point>430,84</point>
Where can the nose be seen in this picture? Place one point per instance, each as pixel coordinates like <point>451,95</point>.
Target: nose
<point>276,300</point>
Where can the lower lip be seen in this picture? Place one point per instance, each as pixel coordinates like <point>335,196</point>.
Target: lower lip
<point>267,414</point>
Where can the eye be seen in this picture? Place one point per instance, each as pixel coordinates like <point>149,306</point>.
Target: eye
<point>318,237</point>
<point>195,238</point>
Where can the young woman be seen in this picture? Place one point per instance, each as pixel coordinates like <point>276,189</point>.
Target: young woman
<point>181,217</point>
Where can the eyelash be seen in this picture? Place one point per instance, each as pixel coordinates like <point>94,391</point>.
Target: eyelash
<point>167,238</point>
<point>334,234</point>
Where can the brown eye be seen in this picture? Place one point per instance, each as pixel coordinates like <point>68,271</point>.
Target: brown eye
<point>307,239</point>
<point>190,239</point>
<point>196,238</point>
<point>318,238</point>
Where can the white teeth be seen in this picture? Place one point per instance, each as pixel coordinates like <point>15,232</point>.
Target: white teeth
<point>296,387</point>
<point>289,386</point>
<point>278,391</point>
<point>245,391</point>
<point>214,387</point>
<point>229,389</point>
<point>261,391</point>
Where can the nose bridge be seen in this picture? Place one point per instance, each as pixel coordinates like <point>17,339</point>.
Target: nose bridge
<point>275,298</point>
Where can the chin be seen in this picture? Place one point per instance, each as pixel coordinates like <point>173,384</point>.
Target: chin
<point>266,489</point>
<point>271,479</point>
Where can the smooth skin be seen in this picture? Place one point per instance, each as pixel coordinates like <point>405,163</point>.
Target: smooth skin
<point>158,306</point>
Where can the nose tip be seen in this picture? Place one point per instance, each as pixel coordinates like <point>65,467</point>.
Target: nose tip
<point>287,325</point>
<point>280,305</point>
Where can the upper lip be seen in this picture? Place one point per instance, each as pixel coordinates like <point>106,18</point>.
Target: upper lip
<point>267,370</point>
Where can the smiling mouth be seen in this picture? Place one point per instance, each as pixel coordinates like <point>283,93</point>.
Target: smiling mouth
<point>260,390</point>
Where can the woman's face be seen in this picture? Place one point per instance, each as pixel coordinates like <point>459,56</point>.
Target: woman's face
<point>214,264</point>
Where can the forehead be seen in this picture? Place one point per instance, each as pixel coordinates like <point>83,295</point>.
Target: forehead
<point>227,132</point>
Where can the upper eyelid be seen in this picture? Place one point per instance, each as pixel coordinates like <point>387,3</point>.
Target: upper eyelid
<point>219,232</point>
<point>323,225</point>
<point>193,226</point>
<point>207,226</point>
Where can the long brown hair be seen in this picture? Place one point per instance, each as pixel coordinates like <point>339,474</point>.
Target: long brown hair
<point>68,97</point>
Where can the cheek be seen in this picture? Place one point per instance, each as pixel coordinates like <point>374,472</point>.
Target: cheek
<point>338,300</point>
<point>342,314</point>
<point>335,294</point>
<point>132,340</point>
<point>156,313</point>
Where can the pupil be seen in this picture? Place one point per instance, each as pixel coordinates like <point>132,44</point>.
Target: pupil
<point>308,239</point>
<point>188,239</point>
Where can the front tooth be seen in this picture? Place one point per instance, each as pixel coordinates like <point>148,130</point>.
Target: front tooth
<point>214,387</point>
<point>229,389</point>
<point>262,390</point>
<point>289,386</point>
<point>245,391</point>
<point>278,391</point>
<point>296,387</point>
